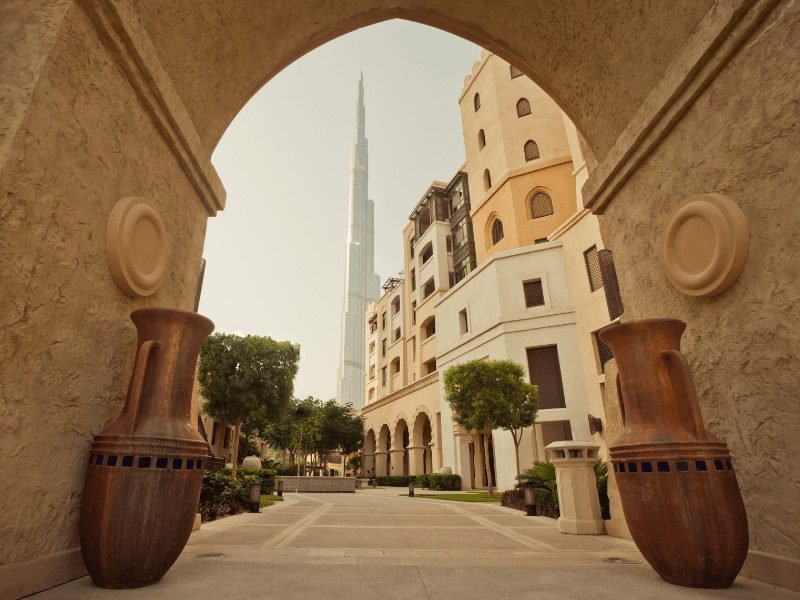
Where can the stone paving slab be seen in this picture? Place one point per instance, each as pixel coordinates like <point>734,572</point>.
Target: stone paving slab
<point>310,547</point>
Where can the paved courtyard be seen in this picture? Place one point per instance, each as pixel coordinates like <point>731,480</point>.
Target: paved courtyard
<point>379,544</point>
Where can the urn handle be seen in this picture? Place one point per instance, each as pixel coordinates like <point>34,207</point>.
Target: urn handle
<point>137,381</point>
<point>681,379</point>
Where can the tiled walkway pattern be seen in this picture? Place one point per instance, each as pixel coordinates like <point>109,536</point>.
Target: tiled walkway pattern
<point>376,544</point>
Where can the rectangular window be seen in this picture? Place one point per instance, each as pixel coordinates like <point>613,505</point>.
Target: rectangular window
<point>413,280</point>
<point>372,347</point>
<point>427,253</point>
<point>428,288</point>
<point>383,376</point>
<point>534,293</point>
<point>462,269</point>
<point>411,247</point>
<point>604,353</point>
<point>226,443</point>
<point>383,320</point>
<point>592,261</point>
<point>383,347</point>
<point>413,348</point>
<point>545,372</point>
<point>372,372</point>
<point>555,431</point>
<point>463,321</point>
<point>396,335</point>
<point>430,366</point>
<point>214,433</point>
<point>460,234</point>
<point>395,306</point>
<point>414,312</point>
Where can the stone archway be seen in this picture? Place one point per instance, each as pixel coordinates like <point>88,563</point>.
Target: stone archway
<point>421,448</point>
<point>382,454</point>
<point>399,450</point>
<point>104,101</point>
<point>368,452</point>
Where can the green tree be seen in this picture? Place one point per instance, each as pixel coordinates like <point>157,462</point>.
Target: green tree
<point>246,380</point>
<point>486,394</point>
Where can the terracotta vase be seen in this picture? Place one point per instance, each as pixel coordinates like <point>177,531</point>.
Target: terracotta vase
<point>146,468</point>
<point>676,479</point>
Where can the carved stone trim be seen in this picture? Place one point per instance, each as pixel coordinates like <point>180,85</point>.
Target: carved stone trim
<point>705,246</point>
<point>136,247</point>
<point>124,35</point>
<point>717,39</point>
<point>420,383</point>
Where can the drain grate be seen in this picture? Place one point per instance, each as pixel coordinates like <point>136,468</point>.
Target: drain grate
<point>619,560</point>
<point>212,555</point>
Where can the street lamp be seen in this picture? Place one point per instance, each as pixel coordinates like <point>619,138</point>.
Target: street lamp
<point>530,500</point>
<point>255,496</point>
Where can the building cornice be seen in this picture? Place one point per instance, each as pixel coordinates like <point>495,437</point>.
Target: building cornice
<point>568,224</point>
<point>124,35</point>
<point>724,30</point>
<point>405,391</point>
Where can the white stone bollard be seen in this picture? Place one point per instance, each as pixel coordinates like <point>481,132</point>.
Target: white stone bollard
<point>577,488</point>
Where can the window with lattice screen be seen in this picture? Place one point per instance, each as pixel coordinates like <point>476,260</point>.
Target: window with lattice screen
<point>515,72</point>
<point>541,205</point>
<point>545,372</point>
<point>534,293</point>
<point>603,352</point>
<point>497,231</point>
<point>523,107</point>
<point>592,261</point>
<point>531,150</point>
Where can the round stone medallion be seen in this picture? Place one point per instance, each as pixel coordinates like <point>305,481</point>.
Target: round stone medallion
<point>705,246</point>
<point>136,247</point>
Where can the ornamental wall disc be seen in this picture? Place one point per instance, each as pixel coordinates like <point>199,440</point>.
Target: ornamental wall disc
<point>705,246</point>
<point>136,247</point>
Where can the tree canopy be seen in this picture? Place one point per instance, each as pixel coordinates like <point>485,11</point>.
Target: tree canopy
<point>486,394</point>
<point>247,381</point>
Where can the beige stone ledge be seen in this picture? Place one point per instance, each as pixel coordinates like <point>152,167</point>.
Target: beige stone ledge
<point>20,579</point>
<point>771,568</point>
<point>717,39</point>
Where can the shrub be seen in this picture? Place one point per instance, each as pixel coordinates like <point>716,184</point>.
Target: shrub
<point>436,481</point>
<point>542,476</point>
<point>395,480</point>
<point>221,494</point>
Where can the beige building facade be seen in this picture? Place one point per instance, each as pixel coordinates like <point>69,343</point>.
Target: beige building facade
<point>107,100</point>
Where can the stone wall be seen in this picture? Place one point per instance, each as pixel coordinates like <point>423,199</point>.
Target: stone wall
<point>740,138</point>
<point>66,341</point>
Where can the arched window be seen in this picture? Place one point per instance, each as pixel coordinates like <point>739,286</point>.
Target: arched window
<point>541,205</point>
<point>523,107</point>
<point>497,231</point>
<point>477,101</point>
<point>481,139</point>
<point>487,179</point>
<point>531,150</point>
<point>515,72</point>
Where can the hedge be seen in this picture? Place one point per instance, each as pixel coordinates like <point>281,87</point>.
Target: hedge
<point>436,481</point>
<point>394,480</point>
<point>221,494</point>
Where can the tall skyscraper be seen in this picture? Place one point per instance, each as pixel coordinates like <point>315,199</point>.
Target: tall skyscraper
<point>361,284</point>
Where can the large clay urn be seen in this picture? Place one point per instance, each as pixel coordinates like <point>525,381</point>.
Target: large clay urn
<point>146,468</point>
<point>676,479</point>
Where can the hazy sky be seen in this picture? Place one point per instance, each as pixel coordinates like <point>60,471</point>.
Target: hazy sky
<point>276,253</point>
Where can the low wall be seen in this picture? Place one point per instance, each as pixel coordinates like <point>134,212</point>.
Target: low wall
<point>317,484</point>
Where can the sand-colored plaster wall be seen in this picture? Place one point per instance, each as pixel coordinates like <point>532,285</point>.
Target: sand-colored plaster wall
<point>740,138</point>
<point>66,341</point>
<point>577,51</point>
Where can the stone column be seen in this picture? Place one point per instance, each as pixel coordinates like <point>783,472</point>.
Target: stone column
<point>430,461</point>
<point>577,487</point>
<point>397,461</point>
<point>416,460</point>
<point>380,463</point>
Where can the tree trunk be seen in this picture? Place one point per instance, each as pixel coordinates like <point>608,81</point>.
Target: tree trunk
<point>235,450</point>
<point>300,451</point>
<point>486,462</point>
<point>516,451</point>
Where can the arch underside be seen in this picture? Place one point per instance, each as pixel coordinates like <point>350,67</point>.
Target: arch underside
<point>564,47</point>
